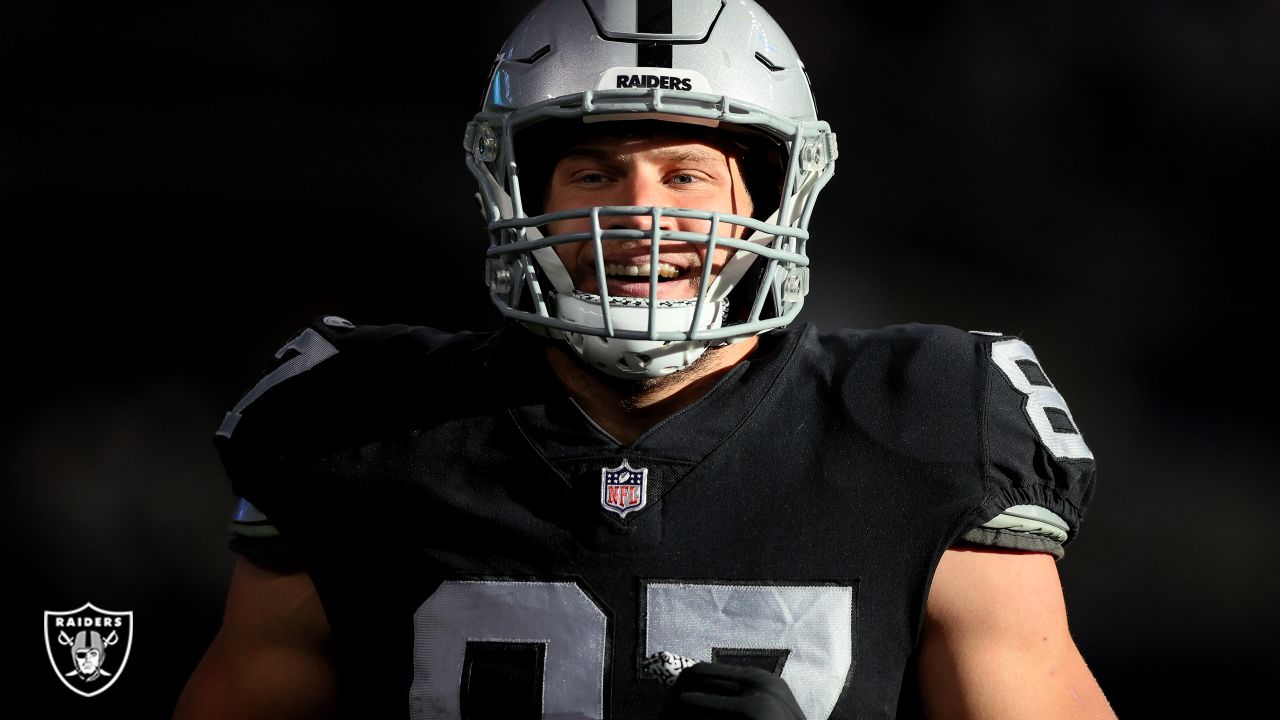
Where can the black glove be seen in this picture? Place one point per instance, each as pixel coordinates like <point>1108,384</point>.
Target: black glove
<point>717,691</point>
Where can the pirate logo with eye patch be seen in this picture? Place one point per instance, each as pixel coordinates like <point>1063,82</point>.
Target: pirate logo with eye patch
<point>88,647</point>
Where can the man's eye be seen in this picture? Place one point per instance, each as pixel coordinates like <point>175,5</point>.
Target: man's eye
<point>683,179</point>
<point>590,178</point>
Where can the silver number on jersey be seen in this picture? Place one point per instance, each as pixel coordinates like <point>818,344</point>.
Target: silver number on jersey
<point>312,349</point>
<point>1043,398</point>
<point>813,622</point>
<point>559,615</point>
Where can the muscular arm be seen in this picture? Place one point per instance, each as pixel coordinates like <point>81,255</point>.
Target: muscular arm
<point>996,643</point>
<point>270,659</point>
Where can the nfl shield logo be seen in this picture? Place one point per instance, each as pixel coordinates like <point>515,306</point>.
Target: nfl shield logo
<point>622,489</point>
<point>88,647</point>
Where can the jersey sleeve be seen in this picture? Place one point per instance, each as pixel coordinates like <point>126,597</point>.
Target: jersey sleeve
<point>260,429</point>
<point>1039,472</point>
<point>332,386</point>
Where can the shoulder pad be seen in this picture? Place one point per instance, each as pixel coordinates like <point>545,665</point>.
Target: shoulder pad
<point>915,388</point>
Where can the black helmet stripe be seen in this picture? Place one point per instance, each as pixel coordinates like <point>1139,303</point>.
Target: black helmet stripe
<point>653,16</point>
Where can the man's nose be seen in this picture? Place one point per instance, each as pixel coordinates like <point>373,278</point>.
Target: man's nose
<point>640,192</point>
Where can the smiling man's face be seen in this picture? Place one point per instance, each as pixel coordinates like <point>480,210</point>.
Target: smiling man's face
<point>662,171</point>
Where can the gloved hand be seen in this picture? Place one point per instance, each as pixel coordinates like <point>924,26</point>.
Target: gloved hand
<point>718,691</point>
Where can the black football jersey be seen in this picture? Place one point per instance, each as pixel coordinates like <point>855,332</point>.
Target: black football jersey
<point>483,549</point>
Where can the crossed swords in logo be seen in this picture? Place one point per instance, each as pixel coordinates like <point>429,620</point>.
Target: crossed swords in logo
<point>107,642</point>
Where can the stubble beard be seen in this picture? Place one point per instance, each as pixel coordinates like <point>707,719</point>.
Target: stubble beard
<point>636,393</point>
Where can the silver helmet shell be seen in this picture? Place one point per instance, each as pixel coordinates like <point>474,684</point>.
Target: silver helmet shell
<point>717,63</point>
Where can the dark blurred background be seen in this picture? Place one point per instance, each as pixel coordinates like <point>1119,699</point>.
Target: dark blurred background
<point>181,188</point>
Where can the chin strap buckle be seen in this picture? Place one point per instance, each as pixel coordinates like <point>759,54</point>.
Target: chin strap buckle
<point>796,285</point>
<point>481,142</point>
<point>497,272</point>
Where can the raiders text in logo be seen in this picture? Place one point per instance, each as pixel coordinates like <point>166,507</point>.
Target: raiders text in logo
<point>88,646</point>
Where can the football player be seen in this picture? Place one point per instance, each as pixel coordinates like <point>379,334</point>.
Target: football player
<point>650,494</point>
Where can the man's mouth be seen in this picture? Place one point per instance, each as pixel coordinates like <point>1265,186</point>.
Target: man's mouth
<point>666,271</point>
<point>631,279</point>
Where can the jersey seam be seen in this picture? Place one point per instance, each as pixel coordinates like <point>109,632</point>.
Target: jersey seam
<point>984,428</point>
<point>515,420</point>
<point>983,463</point>
<point>769,389</point>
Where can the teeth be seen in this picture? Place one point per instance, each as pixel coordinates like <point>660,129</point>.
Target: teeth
<point>664,270</point>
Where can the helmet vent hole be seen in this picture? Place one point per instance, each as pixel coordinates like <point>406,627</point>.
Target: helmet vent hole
<point>542,51</point>
<point>768,63</point>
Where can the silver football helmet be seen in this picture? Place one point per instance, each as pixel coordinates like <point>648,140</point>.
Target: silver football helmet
<point>722,64</point>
